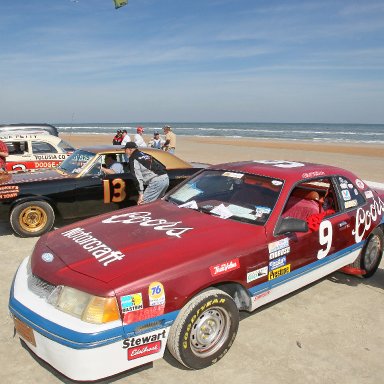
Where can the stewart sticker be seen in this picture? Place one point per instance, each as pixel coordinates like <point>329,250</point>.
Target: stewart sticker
<point>228,266</point>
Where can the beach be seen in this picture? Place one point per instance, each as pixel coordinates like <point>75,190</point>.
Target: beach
<point>329,332</point>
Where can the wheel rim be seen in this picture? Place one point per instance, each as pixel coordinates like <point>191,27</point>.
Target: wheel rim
<point>372,253</point>
<point>33,219</point>
<point>210,332</point>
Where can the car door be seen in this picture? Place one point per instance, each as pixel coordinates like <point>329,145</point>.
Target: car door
<point>326,244</point>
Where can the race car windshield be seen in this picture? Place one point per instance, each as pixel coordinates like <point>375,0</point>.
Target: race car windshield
<point>230,195</point>
<point>77,161</point>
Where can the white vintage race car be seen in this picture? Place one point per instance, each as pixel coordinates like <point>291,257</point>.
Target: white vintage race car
<point>34,150</point>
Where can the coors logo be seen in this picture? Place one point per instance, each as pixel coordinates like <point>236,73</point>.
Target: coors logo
<point>224,267</point>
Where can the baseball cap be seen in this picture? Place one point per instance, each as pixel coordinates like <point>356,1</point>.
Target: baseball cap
<point>130,145</point>
<point>140,129</point>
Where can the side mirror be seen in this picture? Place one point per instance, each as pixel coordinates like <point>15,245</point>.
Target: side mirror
<point>289,224</point>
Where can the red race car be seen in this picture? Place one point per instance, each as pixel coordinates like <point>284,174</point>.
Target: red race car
<point>111,293</point>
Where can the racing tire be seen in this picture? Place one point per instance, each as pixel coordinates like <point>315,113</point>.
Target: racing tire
<point>372,253</point>
<point>204,329</point>
<point>32,218</point>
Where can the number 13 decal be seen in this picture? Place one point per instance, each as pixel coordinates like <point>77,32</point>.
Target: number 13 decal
<point>325,238</point>
<point>118,191</point>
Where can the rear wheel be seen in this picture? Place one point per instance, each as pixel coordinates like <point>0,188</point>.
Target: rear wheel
<point>32,218</point>
<point>372,253</point>
<point>204,330</point>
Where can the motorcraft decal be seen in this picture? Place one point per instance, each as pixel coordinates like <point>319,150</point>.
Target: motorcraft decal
<point>102,253</point>
<point>278,248</point>
<point>277,263</point>
<point>144,219</point>
<point>9,191</point>
<point>364,218</point>
<point>228,266</point>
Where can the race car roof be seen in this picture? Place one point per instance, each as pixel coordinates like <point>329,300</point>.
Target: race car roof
<point>283,169</point>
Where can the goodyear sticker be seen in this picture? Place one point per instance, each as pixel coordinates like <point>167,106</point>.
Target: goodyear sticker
<point>156,294</point>
<point>279,272</point>
<point>130,303</point>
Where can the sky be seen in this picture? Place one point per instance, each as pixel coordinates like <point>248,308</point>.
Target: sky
<point>192,61</point>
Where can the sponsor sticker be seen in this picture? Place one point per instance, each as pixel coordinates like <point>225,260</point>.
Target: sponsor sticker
<point>257,274</point>
<point>143,314</point>
<point>277,263</point>
<point>144,350</point>
<point>130,303</point>
<point>228,266</point>
<point>360,184</point>
<point>279,272</point>
<point>260,295</point>
<point>233,174</point>
<point>350,204</point>
<point>278,248</point>
<point>156,294</point>
<point>9,191</point>
<point>307,175</point>
<point>346,195</point>
<point>368,194</point>
<point>260,210</point>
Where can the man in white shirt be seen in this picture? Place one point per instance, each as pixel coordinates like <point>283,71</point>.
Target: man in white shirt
<point>138,138</point>
<point>126,138</point>
<point>112,165</point>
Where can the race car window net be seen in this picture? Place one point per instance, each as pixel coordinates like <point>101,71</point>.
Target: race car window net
<point>230,195</point>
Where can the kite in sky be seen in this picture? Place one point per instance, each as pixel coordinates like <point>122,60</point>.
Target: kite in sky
<point>120,3</point>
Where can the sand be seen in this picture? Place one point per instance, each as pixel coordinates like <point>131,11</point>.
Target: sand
<point>330,332</point>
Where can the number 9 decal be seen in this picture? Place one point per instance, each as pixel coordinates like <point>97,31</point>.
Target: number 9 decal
<point>325,238</point>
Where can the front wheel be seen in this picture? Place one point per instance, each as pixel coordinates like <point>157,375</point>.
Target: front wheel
<point>204,330</point>
<point>32,218</point>
<point>372,253</point>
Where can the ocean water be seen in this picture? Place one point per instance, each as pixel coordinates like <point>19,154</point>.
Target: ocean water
<point>338,133</point>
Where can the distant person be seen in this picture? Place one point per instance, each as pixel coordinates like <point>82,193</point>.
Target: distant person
<point>3,154</point>
<point>126,137</point>
<point>146,170</point>
<point>170,139</point>
<point>157,141</point>
<point>138,138</point>
<point>17,148</point>
<point>117,138</point>
<point>112,165</point>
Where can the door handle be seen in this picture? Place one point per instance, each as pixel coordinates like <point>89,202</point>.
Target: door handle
<point>343,224</point>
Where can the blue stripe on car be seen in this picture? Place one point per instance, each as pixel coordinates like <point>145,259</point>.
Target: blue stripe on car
<point>303,270</point>
<point>79,340</point>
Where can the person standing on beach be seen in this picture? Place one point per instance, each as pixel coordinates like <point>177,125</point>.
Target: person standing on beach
<point>126,137</point>
<point>157,142</point>
<point>146,170</point>
<point>170,139</point>
<point>117,138</point>
<point>3,154</point>
<point>138,138</point>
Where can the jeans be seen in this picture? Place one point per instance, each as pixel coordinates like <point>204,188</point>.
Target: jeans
<point>156,188</point>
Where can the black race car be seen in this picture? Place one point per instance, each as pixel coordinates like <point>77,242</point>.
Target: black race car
<point>77,188</point>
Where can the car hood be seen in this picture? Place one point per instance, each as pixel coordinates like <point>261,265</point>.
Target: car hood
<point>27,177</point>
<point>144,241</point>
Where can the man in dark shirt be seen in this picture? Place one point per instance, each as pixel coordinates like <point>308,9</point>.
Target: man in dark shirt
<point>146,171</point>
